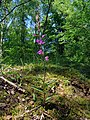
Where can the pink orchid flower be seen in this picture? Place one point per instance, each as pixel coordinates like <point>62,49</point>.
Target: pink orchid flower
<point>43,36</point>
<point>40,42</point>
<point>46,58</point>
<point>40,52</point>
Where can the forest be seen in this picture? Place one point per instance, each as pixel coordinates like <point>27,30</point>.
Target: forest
<point>44,59</point>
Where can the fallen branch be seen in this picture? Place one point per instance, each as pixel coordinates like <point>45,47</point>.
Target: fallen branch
<point>13,84</point>
<point>27,111</point>
<point>49,116</point>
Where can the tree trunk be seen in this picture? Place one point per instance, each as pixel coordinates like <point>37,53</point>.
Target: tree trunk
<point>1,44</point>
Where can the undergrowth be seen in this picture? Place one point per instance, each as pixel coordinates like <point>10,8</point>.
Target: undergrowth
<point>65,100</point>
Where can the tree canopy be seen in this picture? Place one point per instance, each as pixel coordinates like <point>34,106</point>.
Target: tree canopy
<point>66,24</point>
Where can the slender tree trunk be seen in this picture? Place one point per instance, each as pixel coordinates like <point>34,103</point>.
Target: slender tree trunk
<point>23,33</point>
<point>22,28</point>
<point>3,31</point>
<point>0,46</point>
<point>1,43</point>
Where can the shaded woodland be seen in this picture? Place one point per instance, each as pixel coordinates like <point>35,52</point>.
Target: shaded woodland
<point>44,59</point>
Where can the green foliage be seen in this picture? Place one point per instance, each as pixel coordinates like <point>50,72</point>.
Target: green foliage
<point>66,25</point>
<point>77,31</point>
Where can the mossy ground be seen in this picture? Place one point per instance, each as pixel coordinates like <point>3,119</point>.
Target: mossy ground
<point>69,93</point>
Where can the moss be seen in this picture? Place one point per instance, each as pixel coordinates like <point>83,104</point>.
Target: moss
<point>65,103</point>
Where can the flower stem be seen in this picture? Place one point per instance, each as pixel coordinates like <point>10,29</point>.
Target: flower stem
<point>44,94</point>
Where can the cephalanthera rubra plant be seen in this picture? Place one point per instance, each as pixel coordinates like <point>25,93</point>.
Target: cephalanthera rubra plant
<point>41,51</point>
<point>43,86</point>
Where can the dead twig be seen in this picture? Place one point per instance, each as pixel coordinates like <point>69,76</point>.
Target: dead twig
<point>13,84</point>
<point>27,111</point>
<point>13,10</point>
<point>48,115</point>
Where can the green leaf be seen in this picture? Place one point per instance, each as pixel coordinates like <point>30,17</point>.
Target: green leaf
<point>51,81</point>
<point>48,98</point>
<point>45,85</point>
<point>34,97</point>
<point>38,89</point>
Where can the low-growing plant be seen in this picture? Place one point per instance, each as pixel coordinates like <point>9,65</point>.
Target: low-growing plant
<point>43,85</point>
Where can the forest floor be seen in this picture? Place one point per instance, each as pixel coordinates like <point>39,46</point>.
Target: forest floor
<point>69,94</point>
